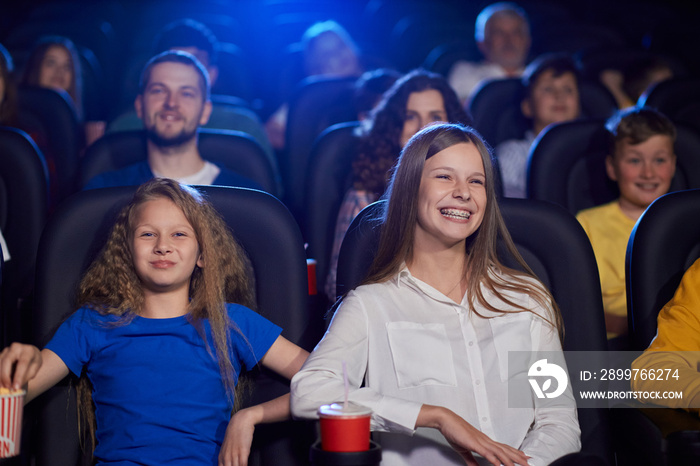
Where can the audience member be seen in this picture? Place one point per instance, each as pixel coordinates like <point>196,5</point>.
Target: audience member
<point>502,34</point>
<point>8,90</point>
<point>191,36</point>
<point>328,50</point>
<point>676,347</point>
<point>642,162</point>
<point>627,85</point>
<point>414,101</point>
<point>194,37</point>
<point>173,103</point>
<point>54,63</point>
<point>369,89</point>
<point>162,332</point>
<point>642,75</point>
<point>551,96</point>
<point>424,340</point>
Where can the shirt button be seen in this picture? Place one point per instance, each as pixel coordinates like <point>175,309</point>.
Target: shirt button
<point>484,419</point>
<point>471,343</point>
<point>478,382</point>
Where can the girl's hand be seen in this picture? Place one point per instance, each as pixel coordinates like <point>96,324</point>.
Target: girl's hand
<point>465,438</point>
<point>18,364</point>
<point>239,437</point>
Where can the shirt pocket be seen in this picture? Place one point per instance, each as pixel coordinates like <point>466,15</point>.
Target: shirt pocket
<point>511,332</point>
<point>422,354</point>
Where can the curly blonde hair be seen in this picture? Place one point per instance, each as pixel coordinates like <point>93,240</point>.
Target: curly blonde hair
<point>111,286</point>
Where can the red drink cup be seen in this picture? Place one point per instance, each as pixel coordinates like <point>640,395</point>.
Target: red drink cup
<point>11,408</point>
<point>344,429</point>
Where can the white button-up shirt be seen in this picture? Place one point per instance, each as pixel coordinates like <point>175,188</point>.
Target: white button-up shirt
<point>406,344</point>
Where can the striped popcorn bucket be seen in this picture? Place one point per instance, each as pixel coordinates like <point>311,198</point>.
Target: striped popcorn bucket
<point>11,408</point>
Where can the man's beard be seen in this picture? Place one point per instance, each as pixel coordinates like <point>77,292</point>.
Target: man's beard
<point>171,141</point>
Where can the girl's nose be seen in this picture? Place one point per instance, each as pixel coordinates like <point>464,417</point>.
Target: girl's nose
<point>461,191</point>
<point>162,246</point>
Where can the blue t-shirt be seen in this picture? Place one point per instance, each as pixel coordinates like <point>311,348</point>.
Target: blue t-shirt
<point>140,172</point>
<point>158,393</point>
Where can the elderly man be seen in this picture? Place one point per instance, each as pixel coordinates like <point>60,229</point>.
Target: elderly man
<point>502,34</point>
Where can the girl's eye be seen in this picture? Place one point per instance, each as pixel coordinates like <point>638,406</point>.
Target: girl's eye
<point>146,234</point>
<point>443,177</point>
<point>179,233</point>
<point>478,181</point>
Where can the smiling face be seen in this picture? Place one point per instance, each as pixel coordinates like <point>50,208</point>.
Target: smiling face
<point>173,104</point>
<point>422,109</point>
<point>643,172</point>
<point>164,247</point>
<point>553,99</point>
<point>451,197</point>
<point>56,71</point>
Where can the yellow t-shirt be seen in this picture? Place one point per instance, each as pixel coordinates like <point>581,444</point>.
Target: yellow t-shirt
<point>676,345</point>
<point>609,229</point>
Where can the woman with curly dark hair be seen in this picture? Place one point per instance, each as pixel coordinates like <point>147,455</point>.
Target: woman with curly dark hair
<point>418,99</point>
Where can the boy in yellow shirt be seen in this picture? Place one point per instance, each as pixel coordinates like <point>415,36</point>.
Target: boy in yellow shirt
<point>642,162</point>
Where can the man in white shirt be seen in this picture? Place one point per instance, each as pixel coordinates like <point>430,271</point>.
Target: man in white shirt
<point>502,34</point>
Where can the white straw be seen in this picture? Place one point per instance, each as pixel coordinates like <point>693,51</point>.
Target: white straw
<point>347,388</point>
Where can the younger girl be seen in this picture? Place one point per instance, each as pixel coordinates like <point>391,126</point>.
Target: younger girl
<point>159,342</point>
<point>426,338</point>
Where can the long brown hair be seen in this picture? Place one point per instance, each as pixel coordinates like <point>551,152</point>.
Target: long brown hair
<point>32,69</point>
<point>401,214</point>
<point>111,286</point>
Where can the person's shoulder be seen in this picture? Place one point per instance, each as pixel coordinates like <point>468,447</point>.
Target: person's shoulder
<point>463,66</point>
<point>371,290</point>
<point>513,145</point>
<point>131,175</point>
<point>235,308</point>
<point>228,177</point>
<point>90,316</point>
<point>597,212</point>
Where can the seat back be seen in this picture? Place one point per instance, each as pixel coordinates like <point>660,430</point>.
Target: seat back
<point>316,104</point>
<point>52,115</point>
<point>550,240</point>
<point>23,210</point>
<point>677,98</point>
<point>495,110</point>
<point>663,244</point>
<point>329,177</point>
<point>231,149</point>
<point>495,107</point>
<point>567,164</point>
<point>268,233</point>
